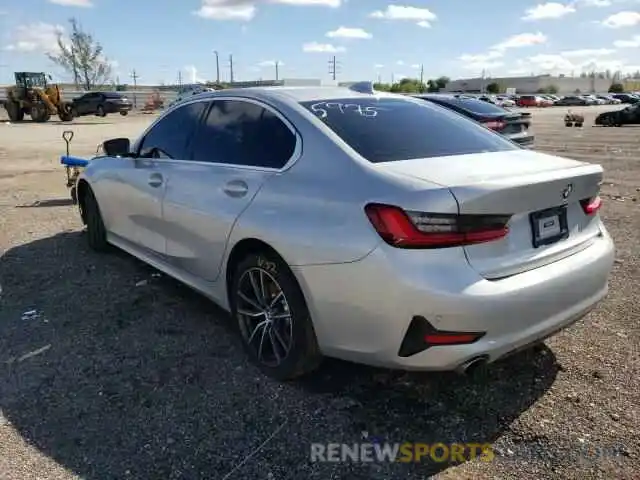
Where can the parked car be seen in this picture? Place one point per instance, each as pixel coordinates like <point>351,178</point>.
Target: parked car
<point>627,116</point>
<point>190,90</point>
<point>609,100</point>
<point>626,97</point>
<point>572,100</point>
<point>533,101</point>
<point>594,100</point>
<point>101,104</point>
<point>402,235</point>
<point>513,125</point>
<point>505,102</point>
<point>527,101</point>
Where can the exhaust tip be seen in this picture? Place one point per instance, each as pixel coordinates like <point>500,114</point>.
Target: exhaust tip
<point>471,366</point>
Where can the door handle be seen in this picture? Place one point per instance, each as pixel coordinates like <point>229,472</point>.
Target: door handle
<point>155,180</point>
<point>236,188</point>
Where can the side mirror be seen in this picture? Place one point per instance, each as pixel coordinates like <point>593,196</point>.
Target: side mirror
<point>116,147</point>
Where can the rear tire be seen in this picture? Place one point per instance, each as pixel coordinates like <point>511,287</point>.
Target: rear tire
<point>265,292</point>
<point>14,111</point>
<point>124,113</point>
<point>66,113</point>
<point>96,232</point>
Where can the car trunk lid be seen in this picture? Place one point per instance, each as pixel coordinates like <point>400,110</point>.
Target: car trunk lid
<point>542,193</point>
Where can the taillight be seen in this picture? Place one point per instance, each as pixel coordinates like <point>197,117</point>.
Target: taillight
<point>410,229</point>
<point>494,125</point>
<point>451,338</point>
<point>590,206</point>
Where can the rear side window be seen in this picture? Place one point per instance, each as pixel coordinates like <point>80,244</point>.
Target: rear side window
<point>471,105</point>
<point>237,132</point>
<point>385,129</point>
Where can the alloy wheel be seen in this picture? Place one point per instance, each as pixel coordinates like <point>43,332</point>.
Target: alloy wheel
<point>264,316</point>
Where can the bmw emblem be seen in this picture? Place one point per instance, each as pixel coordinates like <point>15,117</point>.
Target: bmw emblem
<point>567,191</point>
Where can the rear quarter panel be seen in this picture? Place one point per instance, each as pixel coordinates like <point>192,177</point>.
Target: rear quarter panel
<point>313,212</point>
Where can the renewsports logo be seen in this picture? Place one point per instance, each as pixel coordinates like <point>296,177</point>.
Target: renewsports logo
<point>401,452</point>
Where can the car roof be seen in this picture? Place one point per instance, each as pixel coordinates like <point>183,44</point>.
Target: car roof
<point>293,94</point>
<point>448,96</point>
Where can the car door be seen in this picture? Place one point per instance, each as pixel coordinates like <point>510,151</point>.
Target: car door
<point>238,146</point>
<point>138,185</point>
<point>92,103</point>
<point>82,103</point>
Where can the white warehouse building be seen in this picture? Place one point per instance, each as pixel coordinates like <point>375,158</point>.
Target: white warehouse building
<point>564,85</point>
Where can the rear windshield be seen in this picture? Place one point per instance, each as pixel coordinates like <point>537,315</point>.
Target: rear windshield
<point>470,104</point>
<point>383,129</point>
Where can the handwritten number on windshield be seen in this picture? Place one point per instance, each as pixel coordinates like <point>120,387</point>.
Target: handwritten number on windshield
<point>321,109</point>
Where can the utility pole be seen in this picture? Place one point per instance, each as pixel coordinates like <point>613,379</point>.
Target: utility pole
<point>231,68</point>
<point>135,77</point>
<point>421,77</point>
<point>217,67</point>
<point>179,78</point>
<point>333,67</point>
<point>277,64</point>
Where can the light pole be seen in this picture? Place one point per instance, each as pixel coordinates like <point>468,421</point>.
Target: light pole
<point>217,67</point>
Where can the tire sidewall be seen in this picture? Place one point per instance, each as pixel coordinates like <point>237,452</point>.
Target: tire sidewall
<point>96,232</point>
<point>303,355</point>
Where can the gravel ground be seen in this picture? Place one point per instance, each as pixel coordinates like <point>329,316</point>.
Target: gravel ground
<point>111,371</point>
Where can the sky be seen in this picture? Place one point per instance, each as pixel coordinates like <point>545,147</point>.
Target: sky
<point>371,39</point>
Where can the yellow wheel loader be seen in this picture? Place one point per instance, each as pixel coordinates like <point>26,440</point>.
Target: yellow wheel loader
<point>34,97</point>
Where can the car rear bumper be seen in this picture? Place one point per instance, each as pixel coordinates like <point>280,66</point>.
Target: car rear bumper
<point>362,310</point>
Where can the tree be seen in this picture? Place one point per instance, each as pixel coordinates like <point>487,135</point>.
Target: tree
<point>432,86</point>
<point>408,85</point>
<point>442,82</point>
<point>382,87</point>
<point>82,57</point>
<point>616,88</point>
<point>493,87</point>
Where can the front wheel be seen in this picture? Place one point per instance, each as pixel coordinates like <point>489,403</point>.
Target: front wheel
<point>124,113</point>
<point>40,114</point>
<point>96,232</point>
<point>272,315</point>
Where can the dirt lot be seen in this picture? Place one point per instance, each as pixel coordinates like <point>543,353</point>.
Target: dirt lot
<point>109,371</point>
